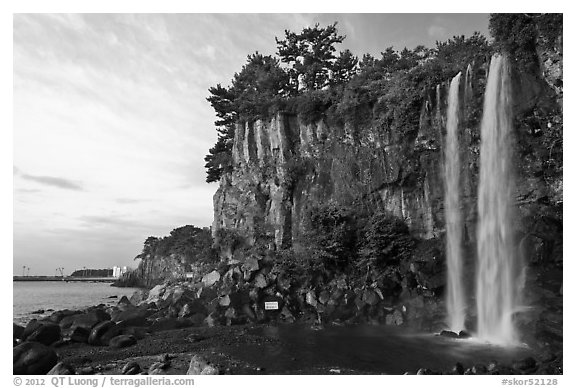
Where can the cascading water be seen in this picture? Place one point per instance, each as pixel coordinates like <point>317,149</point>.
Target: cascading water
<point>497,294</point>
<point>455,296</point>
<point>468,83</point>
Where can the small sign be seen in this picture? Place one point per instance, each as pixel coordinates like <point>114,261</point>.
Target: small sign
<point>270,305</point>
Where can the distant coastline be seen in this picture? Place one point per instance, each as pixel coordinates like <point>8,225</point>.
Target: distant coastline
<point>62,279</point>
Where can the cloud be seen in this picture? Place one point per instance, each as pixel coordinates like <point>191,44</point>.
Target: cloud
<point>50,180</point>
<point>129,200</point>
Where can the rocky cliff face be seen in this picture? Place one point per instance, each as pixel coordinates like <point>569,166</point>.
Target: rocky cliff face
<point>283,166</point>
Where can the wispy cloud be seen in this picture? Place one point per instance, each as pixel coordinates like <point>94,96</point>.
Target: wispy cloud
<point>61,183</point>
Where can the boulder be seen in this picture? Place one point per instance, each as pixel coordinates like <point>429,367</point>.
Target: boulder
<point>464,334</point>
<point>211,278</point>
<point>395,318</point>
<point>88,320</point>
<point>449,334</point>
<point>311,299</point>
<point>479,369</point>
<point>131,368</point>
<point>79,334</point>
<point>224,301</point>
<point>135,316</point>
<point>156,293</point>
<point>33,358</point>
<point>124,301</point>
<point>17,331</point>
<point>32,325</point>
<point>370,297</point>
<point>199,366</point>
<point>62,369</point>
<point>45,332</point>
<point>111,332</point>
<point>57,316</point>
<point>95,337</point>
<point>251,264</point>
<point>138,297</point>
<point>122,341</point>
<point>158,368</point>
<point>260,281</point>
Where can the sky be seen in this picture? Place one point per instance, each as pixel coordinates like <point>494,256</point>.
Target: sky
<point>111,123</point>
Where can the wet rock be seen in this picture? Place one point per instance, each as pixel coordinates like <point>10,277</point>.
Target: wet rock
<point>464,334</point>
<point>311,299</point>
<point>57,316</point>
<point>449,334</point>
<point>165,357</point>
<point>370,297</point>
<point>251,264</point>
<point>98,331</point>
<point>479,369</point>
<point>132,317</point>
<point>17,331</point>
<point>131,368</point>
<point>458,369</point>
<point>395,318</point>
<point>62,369</point>
<point>111,332</point>
<point>158,368</point>
<point>40,311</point>
<point>88,370</point>
<point>122,341</point>
<point>199,366</point>
<point>260,281</point>
<point>492,366</point>
<point>44,332</point>
<point>87,320</point>
<point>286,315</point>
<point>211,278</point>
<point>79,334</point>
<point>224,301</point>
<point>33,358</point>
<point>138,297</point>
<point>525,364</point>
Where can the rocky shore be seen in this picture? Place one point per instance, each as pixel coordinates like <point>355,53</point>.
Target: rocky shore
<point>196,327</point>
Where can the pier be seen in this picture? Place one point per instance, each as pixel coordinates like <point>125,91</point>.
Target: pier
<point>63,279</point>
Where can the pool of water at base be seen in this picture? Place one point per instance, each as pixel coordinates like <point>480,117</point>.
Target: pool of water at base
<point>366,349</point>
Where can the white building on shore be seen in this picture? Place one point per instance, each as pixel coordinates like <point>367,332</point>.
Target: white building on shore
<point>118,271</point>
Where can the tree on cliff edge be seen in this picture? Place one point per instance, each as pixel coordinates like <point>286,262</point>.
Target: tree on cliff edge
<point>310,55</point>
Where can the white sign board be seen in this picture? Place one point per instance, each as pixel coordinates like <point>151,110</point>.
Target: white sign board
<point>270,305</point>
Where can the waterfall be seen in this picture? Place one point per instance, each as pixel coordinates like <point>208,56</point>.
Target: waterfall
<point>468,83</point>
<point>497,291</point>
<point>455,300</point>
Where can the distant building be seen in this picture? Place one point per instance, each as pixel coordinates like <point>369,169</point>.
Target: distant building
<point>118,271</point>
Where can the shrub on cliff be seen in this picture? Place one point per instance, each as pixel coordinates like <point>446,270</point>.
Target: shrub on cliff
<point>386,241</point>
<point>331,235</point>
<point>194,244</point>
